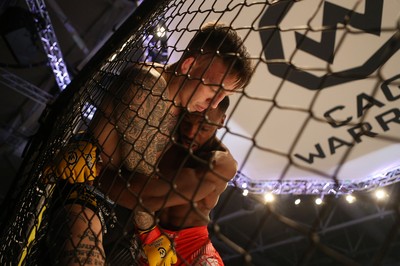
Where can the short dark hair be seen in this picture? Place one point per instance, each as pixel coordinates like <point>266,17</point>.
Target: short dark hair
<point>219,39</point>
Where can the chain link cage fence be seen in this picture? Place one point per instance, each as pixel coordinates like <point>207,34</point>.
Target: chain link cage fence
<point>320,118</point>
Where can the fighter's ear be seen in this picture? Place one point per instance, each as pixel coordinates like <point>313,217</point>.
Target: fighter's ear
<point>186,65</point>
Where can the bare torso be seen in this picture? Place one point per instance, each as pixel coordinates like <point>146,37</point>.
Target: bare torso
<point>190,214</point>
<point>133,126</point>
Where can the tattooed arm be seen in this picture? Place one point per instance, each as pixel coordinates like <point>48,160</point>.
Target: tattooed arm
<point>75,237</point>
<point>133,123</point>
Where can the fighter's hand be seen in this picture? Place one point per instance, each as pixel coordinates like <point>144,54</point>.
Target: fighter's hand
<point>158,248</point>
<point>77,164</point>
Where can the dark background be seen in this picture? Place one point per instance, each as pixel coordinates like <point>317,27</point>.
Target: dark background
<point>280,233</point>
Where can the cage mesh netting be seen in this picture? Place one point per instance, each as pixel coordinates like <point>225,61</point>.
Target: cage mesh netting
<point>319,118</point>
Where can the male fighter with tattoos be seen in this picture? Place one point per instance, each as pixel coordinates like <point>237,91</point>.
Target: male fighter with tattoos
<point>133,127</point>
<point>204,163</point>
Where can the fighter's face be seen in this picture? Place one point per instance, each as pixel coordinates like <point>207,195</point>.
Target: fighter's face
<point>198,128</point>
<point>207,83</point>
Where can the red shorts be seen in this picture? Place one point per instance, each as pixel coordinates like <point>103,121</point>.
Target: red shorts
<point>193,247</point>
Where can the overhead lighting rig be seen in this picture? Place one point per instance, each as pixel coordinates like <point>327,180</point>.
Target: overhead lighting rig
<point>50,44</point>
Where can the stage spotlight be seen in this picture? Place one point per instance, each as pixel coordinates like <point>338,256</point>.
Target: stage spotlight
<point>318,201</point>
<point>380,194</point>
<point>350,199</point>
<point>268,197</point>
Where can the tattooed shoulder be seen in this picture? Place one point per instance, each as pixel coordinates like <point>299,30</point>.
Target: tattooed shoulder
<point>142,117</point>
<point>140,81</point>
